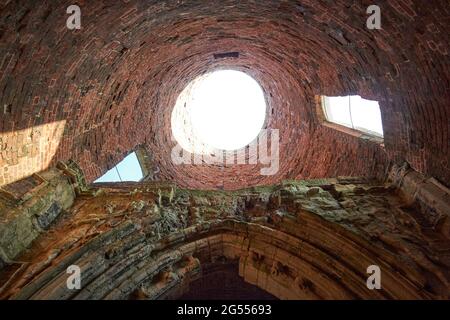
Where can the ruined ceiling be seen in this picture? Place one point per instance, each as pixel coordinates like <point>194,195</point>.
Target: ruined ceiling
<point>112,85</point>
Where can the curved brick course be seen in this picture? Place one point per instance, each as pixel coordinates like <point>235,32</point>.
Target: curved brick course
<point>114,82</point>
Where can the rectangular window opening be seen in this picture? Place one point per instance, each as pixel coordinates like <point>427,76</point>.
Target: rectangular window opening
<point>129,169</point>
<point>355,113</point>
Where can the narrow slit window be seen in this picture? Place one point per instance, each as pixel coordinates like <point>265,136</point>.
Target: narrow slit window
<point>129,169</point>
<point>354,112</point>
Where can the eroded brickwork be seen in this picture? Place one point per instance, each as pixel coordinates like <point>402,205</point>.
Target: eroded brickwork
<point>27,151</point>
<point>115,81</point>
<point>29,206</point>
<point>311,239</point>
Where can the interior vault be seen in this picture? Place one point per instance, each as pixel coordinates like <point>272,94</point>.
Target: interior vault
<point>339,203</point>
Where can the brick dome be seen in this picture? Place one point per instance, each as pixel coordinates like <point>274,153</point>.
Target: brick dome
<point>113,84</point>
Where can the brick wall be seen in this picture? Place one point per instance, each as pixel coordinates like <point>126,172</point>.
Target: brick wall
<point>115,81</point>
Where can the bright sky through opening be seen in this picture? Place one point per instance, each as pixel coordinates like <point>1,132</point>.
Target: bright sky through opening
<point>128,169</point>
<point>354,112</point>
<point>228,110</point>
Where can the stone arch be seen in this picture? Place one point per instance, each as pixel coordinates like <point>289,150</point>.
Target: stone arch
<point>314,262</point>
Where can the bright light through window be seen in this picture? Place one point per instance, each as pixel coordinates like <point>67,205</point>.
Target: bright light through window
<point>222,110</point>
<point>354,112</point>
<point>128,169</point>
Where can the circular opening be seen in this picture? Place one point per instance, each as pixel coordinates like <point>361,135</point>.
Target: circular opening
<point>222,110</point>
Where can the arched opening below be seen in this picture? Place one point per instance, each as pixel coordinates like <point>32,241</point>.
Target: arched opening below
<point>221,281</point>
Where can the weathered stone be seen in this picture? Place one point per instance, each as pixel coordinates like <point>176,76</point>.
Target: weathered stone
<point>292,244</point>
<point>46,218</point>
